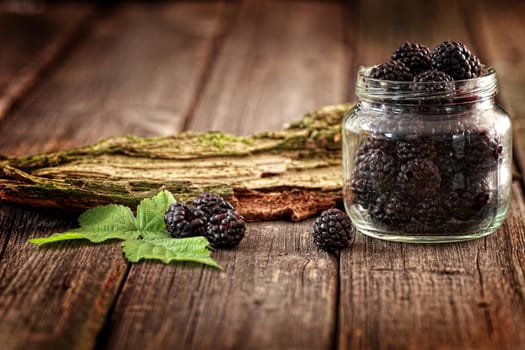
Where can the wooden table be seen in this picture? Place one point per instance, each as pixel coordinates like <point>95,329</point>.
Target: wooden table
<point>72,74</point>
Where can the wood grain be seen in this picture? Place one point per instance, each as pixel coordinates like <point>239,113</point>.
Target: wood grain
<point>499,30</point>
<point>453,296</point>
<point>53,298</point>
<point>137,73</point>
<point>377,27</point>
<point>202,67</point>
<point>279,60</point>
<point>518,128</point>
<point>417,292</point>
<point>276,292</point>
<point>31,42</point>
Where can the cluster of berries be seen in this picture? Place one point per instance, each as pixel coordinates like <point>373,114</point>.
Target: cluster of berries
<point>429,179</point>
<point>210,216</point>
<point>449,61</point>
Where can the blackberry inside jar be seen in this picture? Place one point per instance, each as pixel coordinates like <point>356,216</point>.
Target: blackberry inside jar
<point>427,160</point>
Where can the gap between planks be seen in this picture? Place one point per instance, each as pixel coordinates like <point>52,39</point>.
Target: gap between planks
<point>64,100</point>
<point>277,289</point>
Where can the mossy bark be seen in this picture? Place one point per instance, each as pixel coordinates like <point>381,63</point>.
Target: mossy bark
<point>300,161</point>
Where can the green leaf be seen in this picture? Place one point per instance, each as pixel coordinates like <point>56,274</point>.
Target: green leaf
<point>145,237</point>
<point>57,237</point>
<point>194,249</point>
<point>119,217</point>
<point>97,225</point>
<point>150,215</point>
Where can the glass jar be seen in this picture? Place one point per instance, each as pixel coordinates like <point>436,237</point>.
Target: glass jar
<point>427,162</point>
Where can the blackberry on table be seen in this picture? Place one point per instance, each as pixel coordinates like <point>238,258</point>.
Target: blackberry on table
<point>455,59</point>
<point>433,81</point>
<point>332,230</point>
<point>415,56</point>
<point>184,221</point>
<point>211,204</point>
<point>391,70</point>
<point>225,230</point>
<point>391,209</point>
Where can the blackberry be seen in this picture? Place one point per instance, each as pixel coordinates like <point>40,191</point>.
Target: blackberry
<point>482,152</point>
<point>378,168</point>
<point>391,209</point>
<point>463,204</point>
<point>378,142</point>
<point>455,59</point>
<point>419,176</point>
<point>433,81</point>
<point>225,230</point>
<point>415,56</point>
<point>421,147</point>
<point>477,149</point>
<point>333,230</point>
<point>184,221</point>
<point>453,175</point>
<point>451,170</point>
<point>431,210</point>
<point>211,204</point>
<point>391,70</point>
<point>362,191</point>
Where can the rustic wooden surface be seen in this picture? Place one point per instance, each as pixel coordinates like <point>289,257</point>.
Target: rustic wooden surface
<point>72,74</point>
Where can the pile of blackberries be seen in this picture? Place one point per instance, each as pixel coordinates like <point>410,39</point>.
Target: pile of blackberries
<point>429,179</point>
<point>449,61</point>
<point>210,216</point>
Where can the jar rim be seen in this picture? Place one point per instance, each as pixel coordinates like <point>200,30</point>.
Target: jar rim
<point>407,92</point>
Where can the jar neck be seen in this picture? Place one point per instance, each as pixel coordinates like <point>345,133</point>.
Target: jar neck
<point>438,95</point>
<point>427,108</point>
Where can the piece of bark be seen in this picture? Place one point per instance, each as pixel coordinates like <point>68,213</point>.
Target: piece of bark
<point>296,204</point>
<point>300,165</point>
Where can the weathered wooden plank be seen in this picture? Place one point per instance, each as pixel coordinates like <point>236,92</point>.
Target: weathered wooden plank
<point>136,72</point>
<point>280,60</point>
<point>277,290</point>
<point>53,298</point>
<point>499,30</point>
<point>453,296</point>
<point>31,42</point>
<point>378,26</point>
<point>141,80</point>
<point>518,128</point>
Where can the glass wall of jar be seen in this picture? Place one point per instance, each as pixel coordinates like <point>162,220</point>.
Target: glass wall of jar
<point>427,162</point>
